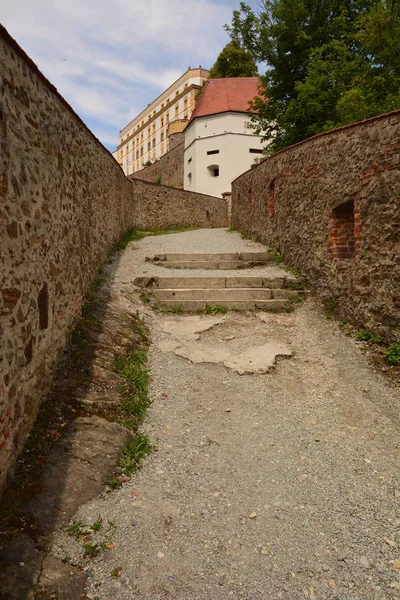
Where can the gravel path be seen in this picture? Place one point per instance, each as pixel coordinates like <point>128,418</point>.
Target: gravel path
<point>282,485</point>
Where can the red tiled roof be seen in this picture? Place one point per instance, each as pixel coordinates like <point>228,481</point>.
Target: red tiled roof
<point>223,95</point>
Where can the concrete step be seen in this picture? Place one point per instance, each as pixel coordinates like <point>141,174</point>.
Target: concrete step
<point>206,282</point>
<point>214,257</point>
<point>193,305</point>
<point>226,260</point>
<point>223,295</point>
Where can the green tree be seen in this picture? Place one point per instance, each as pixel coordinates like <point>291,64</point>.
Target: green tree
<point>234,61</point>
<point>329,62</point>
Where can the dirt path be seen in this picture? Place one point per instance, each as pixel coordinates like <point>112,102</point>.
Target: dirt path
<point>284,484</point>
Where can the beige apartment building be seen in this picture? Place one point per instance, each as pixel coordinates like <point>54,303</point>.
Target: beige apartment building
<point>145,138</point>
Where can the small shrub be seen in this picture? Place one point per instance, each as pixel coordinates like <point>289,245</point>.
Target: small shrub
<point>393,354</point>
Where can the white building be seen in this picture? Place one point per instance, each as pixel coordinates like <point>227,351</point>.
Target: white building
<point>219,141</point>
<point>145,138</point>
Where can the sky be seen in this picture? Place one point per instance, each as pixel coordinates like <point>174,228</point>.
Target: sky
<point>110,58</point>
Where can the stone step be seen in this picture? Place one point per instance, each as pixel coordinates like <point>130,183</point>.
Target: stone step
<point>214,257</point>
<point>221,295</point>
<point>193,305</point>
<point>206,282</point>
<point>227,260</point>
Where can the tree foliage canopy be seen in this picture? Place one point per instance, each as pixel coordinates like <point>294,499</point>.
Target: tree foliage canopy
<point>234,61</point>
<point>329,63</point>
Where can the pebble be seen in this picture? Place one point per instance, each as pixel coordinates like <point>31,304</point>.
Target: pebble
<point>364,562</point>
<point>252,515</point>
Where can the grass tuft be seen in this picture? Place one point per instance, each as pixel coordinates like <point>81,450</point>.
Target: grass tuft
<point>365,335</point>
<point>216,309</point>
<point>134,453</point>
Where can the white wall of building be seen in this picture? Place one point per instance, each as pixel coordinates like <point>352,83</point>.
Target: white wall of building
<point>229,134</point>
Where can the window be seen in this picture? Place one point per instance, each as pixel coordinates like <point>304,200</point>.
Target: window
<point>185,116</point>
<point>137,154</point>
<point>176,109</point>
<point>255,151</point>
<point>213,170</point>
<point>167,117</point>
<point>162,136</point>
<point>189,178</point>
<point>154,142</point>
<point>162,121</point>
<point>154,127</point>
<point>141,151</point>
<point>212,152</point>
<point>190,160</point>
<point>148,146</point>
<point>177,93</point>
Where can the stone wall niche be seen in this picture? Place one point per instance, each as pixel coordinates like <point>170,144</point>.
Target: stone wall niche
<point>342,231</point>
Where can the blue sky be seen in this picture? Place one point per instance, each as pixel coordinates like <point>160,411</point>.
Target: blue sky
<point>110,58</point>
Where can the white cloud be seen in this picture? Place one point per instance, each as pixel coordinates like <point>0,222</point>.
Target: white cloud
<point>110,59</point>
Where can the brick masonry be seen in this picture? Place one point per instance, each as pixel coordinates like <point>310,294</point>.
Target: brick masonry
<point>64,201</point>
<point>331,206</point>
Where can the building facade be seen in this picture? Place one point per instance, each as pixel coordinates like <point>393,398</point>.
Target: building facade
<point>220,143</point>
<point>146,137</point>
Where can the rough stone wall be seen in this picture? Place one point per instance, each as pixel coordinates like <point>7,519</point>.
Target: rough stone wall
<point>331,206</point>
<point>157,206</point>
<point>63,202</point>
<point>167,171</point>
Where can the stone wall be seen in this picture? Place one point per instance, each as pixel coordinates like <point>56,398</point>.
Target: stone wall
<point>168,170</point>
<point>64,201</point>
<point>331,206</point>
<point>161,206</point>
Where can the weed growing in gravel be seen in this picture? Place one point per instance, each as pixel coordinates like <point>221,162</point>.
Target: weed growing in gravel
<point>145,298</point>
<point>365,335</point>
<point>97,525</point>
<point>235,308</point>
<point>216,309</point>
<point>115,572</point>
<point>297,299</point>
<point>278,259</point>
<point>393,354</point>
<point>92,550</point>
<point>76,529</point>
<point>114,484</point>
<point>134,452</point>
<point>135,389</point>
<point>172,310</point>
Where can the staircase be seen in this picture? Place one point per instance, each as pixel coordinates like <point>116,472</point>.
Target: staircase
<point>235,292</point>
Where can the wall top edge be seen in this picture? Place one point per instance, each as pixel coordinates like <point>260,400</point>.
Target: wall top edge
<point>355,125</point>
<point>10,41</point>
